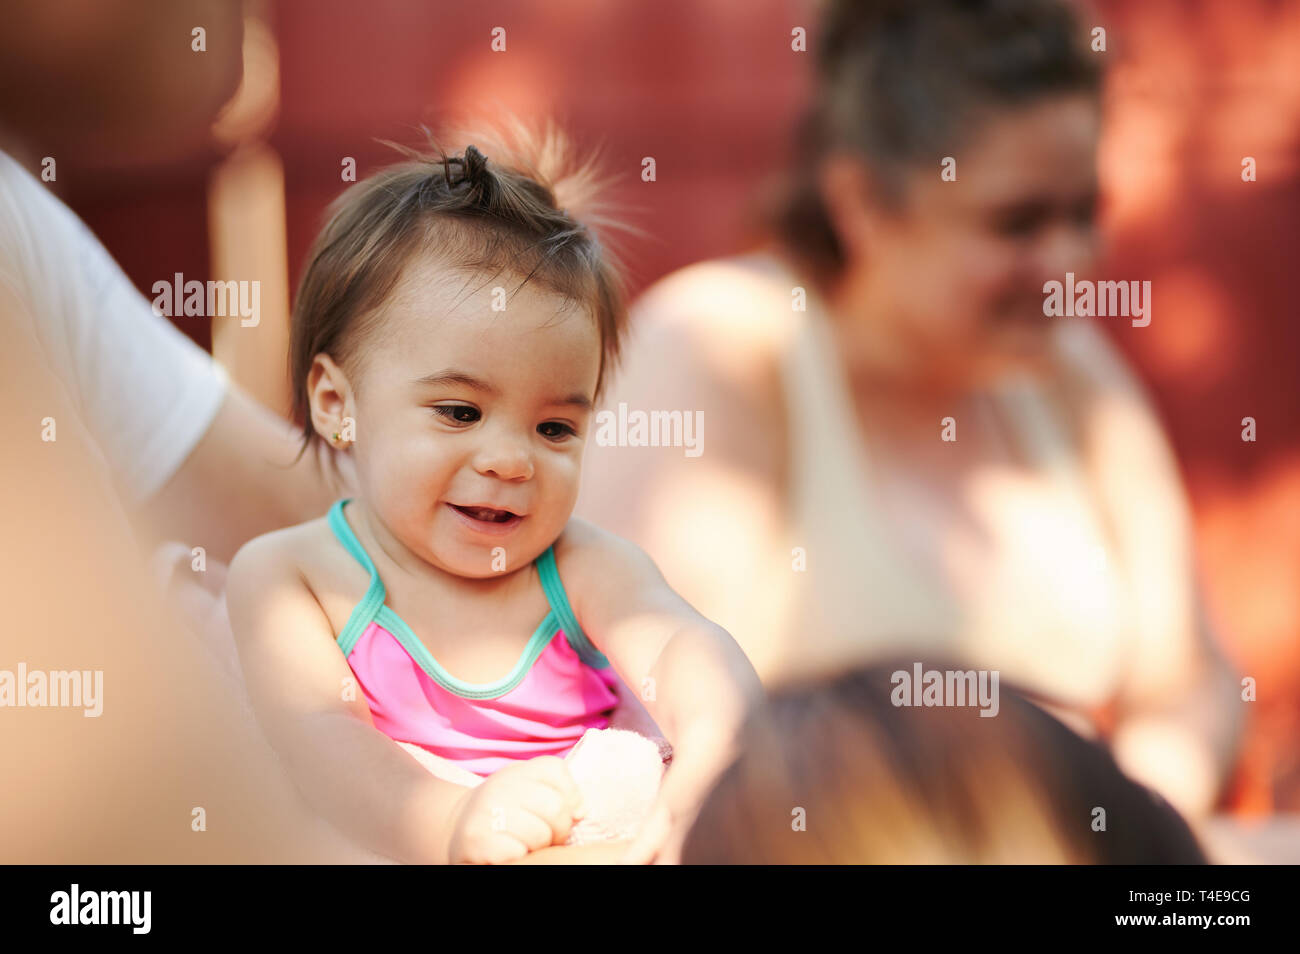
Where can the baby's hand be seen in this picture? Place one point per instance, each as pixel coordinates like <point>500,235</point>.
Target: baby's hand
<point>518,809</point>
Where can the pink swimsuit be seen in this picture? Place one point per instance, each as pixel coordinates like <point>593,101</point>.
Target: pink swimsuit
<point>560,687</point>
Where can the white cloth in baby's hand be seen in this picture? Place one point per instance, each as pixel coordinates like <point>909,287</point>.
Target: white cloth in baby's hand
<point>618,773</point>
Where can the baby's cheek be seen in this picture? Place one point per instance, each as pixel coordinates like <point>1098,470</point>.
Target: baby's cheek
<point>406,488</point>
<point>397,486</point>
<point>561,488</point>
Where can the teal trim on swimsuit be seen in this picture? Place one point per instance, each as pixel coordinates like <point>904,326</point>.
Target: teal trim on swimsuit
<point>559,601</point>
<point>544,633</point>
<point>371,608</point>
<point>364,612</point>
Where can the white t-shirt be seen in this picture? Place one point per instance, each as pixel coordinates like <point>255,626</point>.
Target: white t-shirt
<point>145,392</point>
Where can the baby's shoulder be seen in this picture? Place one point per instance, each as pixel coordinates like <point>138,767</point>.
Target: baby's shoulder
<point>305,550</point>
<point>588,554</point>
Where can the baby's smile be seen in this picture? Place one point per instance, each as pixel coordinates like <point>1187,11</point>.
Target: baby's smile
<point>489,520</point>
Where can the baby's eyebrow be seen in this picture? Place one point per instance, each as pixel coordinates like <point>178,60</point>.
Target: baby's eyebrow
<point>578,400</point>
<point>452,376</point>
<point>465,379</point>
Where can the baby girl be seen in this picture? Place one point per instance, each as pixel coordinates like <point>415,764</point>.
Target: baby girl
<point>452,331</point>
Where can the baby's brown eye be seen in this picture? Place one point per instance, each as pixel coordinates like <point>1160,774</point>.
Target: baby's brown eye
<point>457,413</point>
<point>554,430</point>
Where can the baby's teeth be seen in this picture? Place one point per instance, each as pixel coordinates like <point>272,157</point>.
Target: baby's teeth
<point>487,514</point>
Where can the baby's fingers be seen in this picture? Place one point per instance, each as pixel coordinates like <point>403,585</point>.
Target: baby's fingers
<point>533,810</point>
<point>553,772</point>
<point>552,809</point>
<point>504,832</point>
<point>495,848</point>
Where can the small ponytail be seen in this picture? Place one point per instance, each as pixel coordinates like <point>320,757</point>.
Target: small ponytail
<point>473,166</point>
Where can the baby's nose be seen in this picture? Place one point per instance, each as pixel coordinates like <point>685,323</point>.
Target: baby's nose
<point>505,459</point>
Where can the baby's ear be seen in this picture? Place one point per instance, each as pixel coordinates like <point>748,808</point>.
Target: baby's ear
<point>329,396</point>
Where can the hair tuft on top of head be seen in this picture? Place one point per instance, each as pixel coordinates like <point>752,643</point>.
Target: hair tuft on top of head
<point>474,165</point>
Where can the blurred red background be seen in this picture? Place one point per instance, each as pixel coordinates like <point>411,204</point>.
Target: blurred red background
<point>712,91</point>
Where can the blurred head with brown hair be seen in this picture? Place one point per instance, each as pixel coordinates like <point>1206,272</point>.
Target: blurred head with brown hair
<point>945,171</point>
<point>113,80</point>
<point>838,774</point>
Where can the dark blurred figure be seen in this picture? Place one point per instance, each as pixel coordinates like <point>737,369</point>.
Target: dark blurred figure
<point>836,773</point>
<point>115,79</point>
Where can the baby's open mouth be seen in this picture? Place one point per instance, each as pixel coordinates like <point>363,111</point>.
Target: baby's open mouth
<point>486,514</point>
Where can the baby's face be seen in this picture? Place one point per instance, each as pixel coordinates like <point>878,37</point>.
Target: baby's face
<point>471,423</point>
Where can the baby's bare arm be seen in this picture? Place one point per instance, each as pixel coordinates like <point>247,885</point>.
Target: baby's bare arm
<point>316,718</point>
<point>690,673</point>
<point>696,682</point>
<point>632,715</point>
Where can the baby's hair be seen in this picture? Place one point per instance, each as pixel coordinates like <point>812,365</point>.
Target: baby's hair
<point>510,204</point>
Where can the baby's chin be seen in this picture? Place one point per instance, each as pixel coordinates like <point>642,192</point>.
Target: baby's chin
<point>485,561</point>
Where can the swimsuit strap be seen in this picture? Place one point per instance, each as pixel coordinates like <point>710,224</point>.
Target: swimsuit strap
<point>559,601</point>
<point>366,610</point>
<point>370,604</point>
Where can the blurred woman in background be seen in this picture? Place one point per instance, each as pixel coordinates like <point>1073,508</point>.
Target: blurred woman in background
<point>901,452</point>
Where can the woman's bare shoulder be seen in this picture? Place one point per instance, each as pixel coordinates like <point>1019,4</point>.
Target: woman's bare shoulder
<point>734,307</point>
<point>709,338</point>
<point>711,333</point>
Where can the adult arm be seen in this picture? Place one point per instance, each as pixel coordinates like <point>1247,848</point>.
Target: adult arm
<point>1179,712</point>
<point>192,457</point>
<point>241,481</point>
